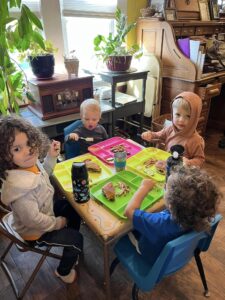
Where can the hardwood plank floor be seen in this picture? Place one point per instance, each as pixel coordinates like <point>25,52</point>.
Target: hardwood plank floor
<point>185,285</point>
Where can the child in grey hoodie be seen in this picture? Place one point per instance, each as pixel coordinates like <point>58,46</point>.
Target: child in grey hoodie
<point>27,190</point>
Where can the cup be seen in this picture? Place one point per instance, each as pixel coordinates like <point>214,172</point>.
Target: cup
<point>120,159</point>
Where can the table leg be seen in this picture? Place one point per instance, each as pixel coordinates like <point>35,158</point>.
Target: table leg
<point>106,272</point>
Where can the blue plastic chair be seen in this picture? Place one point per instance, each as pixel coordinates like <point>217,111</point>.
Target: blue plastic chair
<point>175,255</point>
<point>71,148</point>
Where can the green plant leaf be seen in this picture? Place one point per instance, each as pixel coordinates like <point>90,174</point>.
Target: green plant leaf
<point>2,83</point>
<point>30,96</point>
<point>32,17</point>
<point>18,3</point>
<point>8,20</point>
<point>16,80</point>
<point>38,38</point>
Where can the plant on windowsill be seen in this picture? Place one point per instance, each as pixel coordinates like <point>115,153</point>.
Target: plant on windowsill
<point>41,59</point>
<point>16,35</point>
<point>112,49</point>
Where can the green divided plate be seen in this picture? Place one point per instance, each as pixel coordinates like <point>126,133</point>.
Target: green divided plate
<point>62,171</point>
<point>133,181</point>
<point>136,163</point>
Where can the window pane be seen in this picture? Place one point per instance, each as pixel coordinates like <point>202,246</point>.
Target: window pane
<point>80,33</point>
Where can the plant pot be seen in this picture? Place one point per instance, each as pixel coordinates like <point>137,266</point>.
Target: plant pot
<point>119,63</point>
<point>42,65</point>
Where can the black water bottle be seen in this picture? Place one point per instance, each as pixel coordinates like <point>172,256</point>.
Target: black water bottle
<point>80,182</point>
<point>175,159</point>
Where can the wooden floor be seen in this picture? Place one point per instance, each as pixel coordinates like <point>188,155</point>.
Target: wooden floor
<point>184,285</point>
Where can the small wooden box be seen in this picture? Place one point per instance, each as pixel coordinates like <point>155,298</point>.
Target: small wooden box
<point>59,96</point>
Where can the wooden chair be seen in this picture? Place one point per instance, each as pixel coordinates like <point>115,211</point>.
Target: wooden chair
<point>23,246</point>
<point>174,256</point>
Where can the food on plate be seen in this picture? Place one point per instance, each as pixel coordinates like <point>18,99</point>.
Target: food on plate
<point>160,166</point>
<point>150,162</point>
<point>123,188</point>
<point>118,148</point>
<point>92,166</point>
<point>108,191</point>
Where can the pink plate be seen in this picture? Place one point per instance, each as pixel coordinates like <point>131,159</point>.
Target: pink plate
<point>103,149</point>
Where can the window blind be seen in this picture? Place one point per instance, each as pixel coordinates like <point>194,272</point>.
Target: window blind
<point>89,8</point>
<point>34,6</point>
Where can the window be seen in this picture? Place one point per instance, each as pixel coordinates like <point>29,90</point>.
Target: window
<point>82,21</point>
<point>34,6</point>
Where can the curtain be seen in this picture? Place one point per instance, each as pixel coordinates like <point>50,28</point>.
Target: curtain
<point>89,8</point>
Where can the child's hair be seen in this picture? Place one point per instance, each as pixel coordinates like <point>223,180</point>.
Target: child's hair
<point>181,102</point>
<point>192,198</point>
<point>90,104</point>
<point>9,126</point>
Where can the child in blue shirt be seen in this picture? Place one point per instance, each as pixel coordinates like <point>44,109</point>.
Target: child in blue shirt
<point>191,199</point>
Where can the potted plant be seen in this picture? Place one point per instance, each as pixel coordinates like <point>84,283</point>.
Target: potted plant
<point>16,35</point>
<point>41,59</point>
<point>112,49</point>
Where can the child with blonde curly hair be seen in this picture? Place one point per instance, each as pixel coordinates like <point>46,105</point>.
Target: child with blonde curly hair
<point>191,199</point>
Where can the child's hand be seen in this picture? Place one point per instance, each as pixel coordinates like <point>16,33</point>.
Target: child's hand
<point>74,136</point>
<point>147,136</point>
<point>54,149</point>
<point>63,222</point>
<point>147,184</point>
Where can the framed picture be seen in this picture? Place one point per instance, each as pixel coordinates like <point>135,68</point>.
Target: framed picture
<point>204,10</point>
<point>170,14</point>
<point>214,9</point>
<point>158,5</point>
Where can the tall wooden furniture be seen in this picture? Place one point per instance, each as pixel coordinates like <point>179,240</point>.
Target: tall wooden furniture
<point>128,109</point>
<point>179,73</point>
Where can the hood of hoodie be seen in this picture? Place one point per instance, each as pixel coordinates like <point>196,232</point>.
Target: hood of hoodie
<point>18,184</point>
<point>195,103</point>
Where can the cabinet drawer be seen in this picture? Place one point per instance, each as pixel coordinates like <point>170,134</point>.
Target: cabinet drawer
<point>204,30</point>
<point>177,31</point>
<point>217,30</point>
<point>209,91</point>
<point>188,31</point>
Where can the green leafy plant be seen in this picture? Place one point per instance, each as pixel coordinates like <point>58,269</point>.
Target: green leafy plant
<point>36,50</point>
<point>16,36</point>
<point>114,45</point>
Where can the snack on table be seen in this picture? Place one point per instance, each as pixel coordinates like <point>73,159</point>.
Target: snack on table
<point>123,189</point>
<point>160,166</point>
<point>118,148</point>
<point>92,166</point>
<point>108,191</point>
<point>150,162</point>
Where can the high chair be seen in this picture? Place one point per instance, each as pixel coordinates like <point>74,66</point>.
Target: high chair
<point>23,246</point>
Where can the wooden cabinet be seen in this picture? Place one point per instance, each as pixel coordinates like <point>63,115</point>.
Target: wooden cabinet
<point>179,73</point>
<point>59,96</point>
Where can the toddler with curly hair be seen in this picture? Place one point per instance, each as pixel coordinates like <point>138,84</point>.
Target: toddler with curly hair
<point>191,199</point>
<point>27,190</point>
